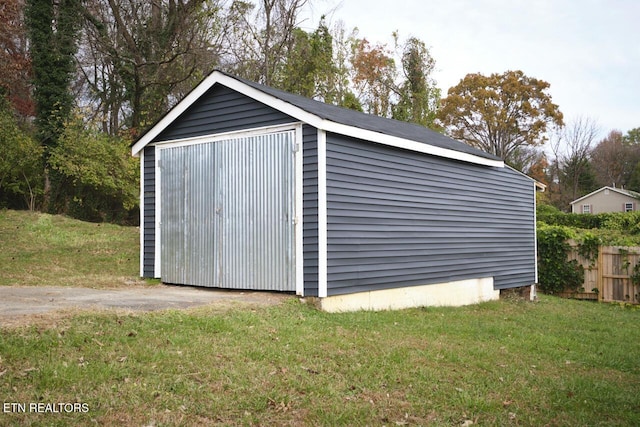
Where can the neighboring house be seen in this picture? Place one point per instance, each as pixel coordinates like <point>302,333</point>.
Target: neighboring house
<point>248,187</point>
<point>606,199</point>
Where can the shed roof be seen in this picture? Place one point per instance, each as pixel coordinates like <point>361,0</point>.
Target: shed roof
<point>622,191</point>
<point>330,118</point>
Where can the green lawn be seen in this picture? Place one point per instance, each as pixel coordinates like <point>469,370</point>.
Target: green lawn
<point>555,362</point>
<point>510,362</point>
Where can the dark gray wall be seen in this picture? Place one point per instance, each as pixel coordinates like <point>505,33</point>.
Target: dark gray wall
<point>220,110</point>
<point>398,218</point>
<point>149,218</point>
<point>310,209</point>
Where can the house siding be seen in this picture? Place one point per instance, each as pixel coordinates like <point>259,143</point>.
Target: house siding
<point>149,212</point>
<point>310,209</point>
<point>220,110</point>
<point>605,201</point>
<point>397,218</point>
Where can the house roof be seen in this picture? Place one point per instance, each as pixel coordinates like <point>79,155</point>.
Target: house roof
<point>622,191</point>
<point>330,118</point>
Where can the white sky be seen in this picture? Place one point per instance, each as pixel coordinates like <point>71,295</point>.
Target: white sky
<point>588,50</point>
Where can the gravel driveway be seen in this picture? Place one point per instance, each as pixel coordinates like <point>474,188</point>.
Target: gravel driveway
<point>16,302</point>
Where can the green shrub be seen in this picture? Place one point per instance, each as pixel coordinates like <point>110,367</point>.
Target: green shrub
<point>20,165</point>
<point>627,222</point>
<point>101,180</point>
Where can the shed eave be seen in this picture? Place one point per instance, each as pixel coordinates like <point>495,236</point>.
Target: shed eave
<point>539,185</point>
<point>304,116</point>
<point>404,143</point>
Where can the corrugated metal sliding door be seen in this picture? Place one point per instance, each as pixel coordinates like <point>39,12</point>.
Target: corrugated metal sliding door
<point>227,213</point>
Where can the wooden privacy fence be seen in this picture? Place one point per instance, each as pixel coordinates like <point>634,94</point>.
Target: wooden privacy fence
<point>608,277</point>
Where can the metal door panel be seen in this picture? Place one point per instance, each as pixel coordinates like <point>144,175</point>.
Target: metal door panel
<point>227,213</point>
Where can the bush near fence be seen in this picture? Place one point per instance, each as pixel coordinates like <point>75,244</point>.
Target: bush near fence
<point>625,222</point>
<point>589,256</point>
<point>556,272</point>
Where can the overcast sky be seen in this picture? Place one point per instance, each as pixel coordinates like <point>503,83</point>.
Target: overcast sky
<point>588,50</point>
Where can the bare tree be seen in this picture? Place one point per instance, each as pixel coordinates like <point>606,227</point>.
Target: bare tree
<point>572,146</point>
<point>614,160</point>
<point>260,37</point>
<point>139,56</point>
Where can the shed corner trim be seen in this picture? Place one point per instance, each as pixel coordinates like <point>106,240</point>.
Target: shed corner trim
<point>322,213</point>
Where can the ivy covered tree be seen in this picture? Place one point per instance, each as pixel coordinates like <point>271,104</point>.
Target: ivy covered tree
<point>53,29</point>
<point>418,95</point>
<point>308,69</point>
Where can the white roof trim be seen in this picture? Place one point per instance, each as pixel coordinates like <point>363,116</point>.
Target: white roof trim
<point>304,116</point>
<point>175,112</point>
<point>617,190</point>
<point>407,144</point>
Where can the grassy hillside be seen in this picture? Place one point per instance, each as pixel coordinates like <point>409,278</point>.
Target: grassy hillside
<point>41,249</point>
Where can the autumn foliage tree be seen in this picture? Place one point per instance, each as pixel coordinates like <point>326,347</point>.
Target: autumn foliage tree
<point>373,76</point>
<point>15,64</point>
<point>407,93</point>
<point>499,113</point>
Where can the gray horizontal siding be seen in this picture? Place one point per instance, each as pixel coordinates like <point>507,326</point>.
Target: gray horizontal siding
<point>397,218</point>
<point>310,209</point>
<point>220,110</point>
<point>149,211</point>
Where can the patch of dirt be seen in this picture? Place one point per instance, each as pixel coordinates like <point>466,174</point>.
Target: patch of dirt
<point>28,305</point>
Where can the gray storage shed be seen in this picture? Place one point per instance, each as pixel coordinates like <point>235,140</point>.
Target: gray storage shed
<point>248,187</point>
